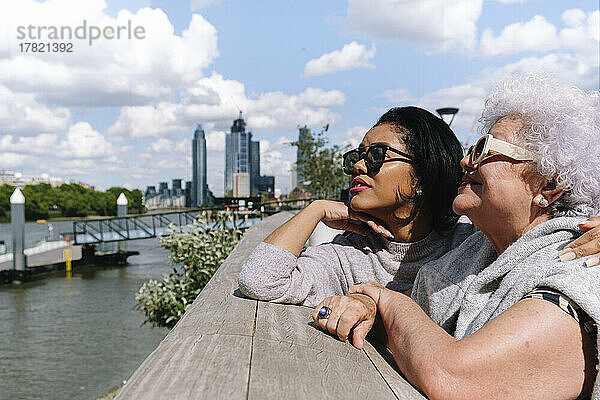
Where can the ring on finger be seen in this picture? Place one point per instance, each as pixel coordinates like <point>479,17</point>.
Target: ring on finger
<point>324,312</point>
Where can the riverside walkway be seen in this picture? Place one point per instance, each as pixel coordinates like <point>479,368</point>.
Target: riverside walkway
<point>227,346</point>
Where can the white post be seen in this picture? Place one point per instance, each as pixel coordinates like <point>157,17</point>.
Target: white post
<point>17,221</point>
<point>122,212</point>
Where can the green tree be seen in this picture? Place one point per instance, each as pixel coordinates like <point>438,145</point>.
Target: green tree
<point>72,200</point>
<point>38,199</point>
<point>321,167</point>
<point>5,192</point>
<point>199,253</point>
<point>264,197</point>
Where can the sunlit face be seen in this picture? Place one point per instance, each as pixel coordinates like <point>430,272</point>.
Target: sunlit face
<point>377,193</point>
<point>498,192</point>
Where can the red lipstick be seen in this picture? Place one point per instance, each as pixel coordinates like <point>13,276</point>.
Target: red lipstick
<point>358,185</point>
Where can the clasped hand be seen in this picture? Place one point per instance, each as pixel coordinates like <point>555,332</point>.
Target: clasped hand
<point>355,311</point>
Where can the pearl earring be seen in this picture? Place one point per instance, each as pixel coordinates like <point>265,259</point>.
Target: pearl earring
<point>419,192</point>
<point>543,202</point>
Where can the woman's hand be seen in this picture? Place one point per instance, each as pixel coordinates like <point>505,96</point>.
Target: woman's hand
<point>587,244</point>
<point>372,289</point>
<point>347,312</point>
<point>338,215</point>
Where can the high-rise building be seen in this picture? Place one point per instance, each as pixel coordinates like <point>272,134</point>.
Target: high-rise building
<point>266,183</point>
<point>199,184</point>
<point>254,166</point>
<point>238,153</point>
<point>303,135</point>
<point>163,188</point>
<point>150,192</point>
<point>188,193</point>
<point>176,185</point>
<point>242,156</point>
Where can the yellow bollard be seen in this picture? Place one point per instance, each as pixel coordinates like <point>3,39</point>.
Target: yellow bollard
<point>67,256</point>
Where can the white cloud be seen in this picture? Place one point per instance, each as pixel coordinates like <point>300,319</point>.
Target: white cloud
<point>538,35</point>
<point>511,1</point>
<point>149,121</point>
<point>82,141</point>
<point>215,141</point>
<point>10,160</point>
<point>277,159</point>
<point>183,146</point>
<point>438,24</point>
<point>41,144</point>
<point>353,136</point>
<point>583,31</point>
<point>573,17</point>
<point>110,72</point>
<point>22,114</point>
<point>161,145</point>
<point>467,97</point>
<point>315,97</point>
<point>214,101</point>
<point>397,96</point>
<point>351,56</point>
<point>572,69</point>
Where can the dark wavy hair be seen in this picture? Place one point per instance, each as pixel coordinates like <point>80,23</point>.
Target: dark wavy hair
<point>436,156</point>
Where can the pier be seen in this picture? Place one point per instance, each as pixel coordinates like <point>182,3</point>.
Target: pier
<point>227,346</point>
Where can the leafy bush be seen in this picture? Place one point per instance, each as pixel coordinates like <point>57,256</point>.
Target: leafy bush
<point>196,254</point>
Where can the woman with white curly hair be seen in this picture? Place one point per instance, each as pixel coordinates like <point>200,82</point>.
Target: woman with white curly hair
<point>501,316</point>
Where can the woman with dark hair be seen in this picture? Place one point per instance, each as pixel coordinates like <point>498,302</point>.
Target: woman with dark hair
<point>503,316</point>
<point>405,175</point>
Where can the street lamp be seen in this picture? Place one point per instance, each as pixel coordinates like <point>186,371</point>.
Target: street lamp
<point>447,111</point>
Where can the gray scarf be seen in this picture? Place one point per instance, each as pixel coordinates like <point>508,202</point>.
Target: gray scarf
<point>469,286</point>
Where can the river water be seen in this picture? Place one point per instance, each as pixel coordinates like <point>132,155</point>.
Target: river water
<point>77,338</point>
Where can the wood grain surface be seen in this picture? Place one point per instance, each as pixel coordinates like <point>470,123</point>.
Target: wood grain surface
<point>227,346</point>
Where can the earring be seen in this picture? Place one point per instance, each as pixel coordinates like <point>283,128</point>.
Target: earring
<point>419,193</point>
<point>541,200</point>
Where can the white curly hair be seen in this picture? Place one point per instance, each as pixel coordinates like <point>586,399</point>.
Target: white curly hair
<point>562,126</point>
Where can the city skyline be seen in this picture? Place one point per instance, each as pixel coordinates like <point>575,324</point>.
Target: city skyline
<point>123,112</point>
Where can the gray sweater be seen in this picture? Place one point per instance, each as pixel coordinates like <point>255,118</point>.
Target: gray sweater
<point>274,274</point>
<point>469,286</point>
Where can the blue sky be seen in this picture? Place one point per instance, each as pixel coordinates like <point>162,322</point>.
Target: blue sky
<point>122,112</point>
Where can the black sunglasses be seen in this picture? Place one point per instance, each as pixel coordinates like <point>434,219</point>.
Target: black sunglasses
<point>374,156</point>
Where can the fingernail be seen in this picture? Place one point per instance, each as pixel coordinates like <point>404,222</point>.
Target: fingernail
<point>563,251</point>
<point>567,256</point>
<point>591,261</point>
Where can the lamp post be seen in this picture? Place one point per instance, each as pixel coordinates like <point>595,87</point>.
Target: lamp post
<point>17,220</point>
<point>122,212</point>
<point>447,111</point>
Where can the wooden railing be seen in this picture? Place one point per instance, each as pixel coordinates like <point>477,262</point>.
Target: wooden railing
<point>227,346</point>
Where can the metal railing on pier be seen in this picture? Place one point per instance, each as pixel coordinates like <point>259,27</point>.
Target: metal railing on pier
<point>147,226</point>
